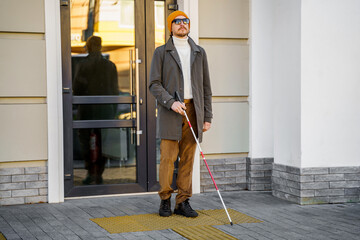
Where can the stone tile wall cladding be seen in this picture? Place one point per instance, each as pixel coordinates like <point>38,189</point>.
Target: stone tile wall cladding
<point>23,185</point>
<point>316,185</point>
<point>258,173</point>
<point>229,174</point>
<point>240,173</point>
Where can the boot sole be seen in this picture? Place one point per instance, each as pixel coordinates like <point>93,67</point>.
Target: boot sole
<point>177,212</point>
<point>165,215</point>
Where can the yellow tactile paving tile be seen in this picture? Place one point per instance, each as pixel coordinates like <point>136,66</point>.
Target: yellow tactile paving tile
<point>202,233</point>
<point>155,222</point>
<point>2,236</point>
<point>152,222</point>
<point>120,224</point>
<point>202,220</point>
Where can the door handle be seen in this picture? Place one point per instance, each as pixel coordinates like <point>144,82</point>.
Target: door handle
<point>131,90</point>
<point>138,130</point>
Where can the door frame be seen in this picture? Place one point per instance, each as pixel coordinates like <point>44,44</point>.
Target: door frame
<point>68,100</point>
<point>146,157</point>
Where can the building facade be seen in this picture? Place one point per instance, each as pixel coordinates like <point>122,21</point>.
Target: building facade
<point>284,78</point>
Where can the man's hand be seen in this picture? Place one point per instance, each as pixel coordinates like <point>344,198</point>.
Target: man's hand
<point>206,126</point>
<point>178,107</point>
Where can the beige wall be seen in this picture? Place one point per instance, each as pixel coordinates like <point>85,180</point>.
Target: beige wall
<point>224,33</point>
<point>22,65</point>
<point>229,133</point>
<point>229,66</point>
<point>224,18</point>
<point>22,82</point>
<point>23,132</point>
<point>22,16</point>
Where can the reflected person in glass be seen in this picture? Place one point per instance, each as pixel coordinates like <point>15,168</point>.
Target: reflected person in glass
<point>95,75</point>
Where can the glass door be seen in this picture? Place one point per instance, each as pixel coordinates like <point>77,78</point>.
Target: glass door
<point>110,143</point>
<point>104,90</point>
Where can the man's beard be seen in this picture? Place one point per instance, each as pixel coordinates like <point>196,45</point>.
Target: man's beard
<point>181,34</point>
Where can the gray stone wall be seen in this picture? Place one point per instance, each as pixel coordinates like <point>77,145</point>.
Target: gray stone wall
<point>229,174</point>
<point>23,185</point>
<point>258,173</point>
<point>240,173</point>
<point>316,185</point>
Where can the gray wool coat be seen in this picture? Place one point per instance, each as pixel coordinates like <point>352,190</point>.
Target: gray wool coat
<point>166,78</point>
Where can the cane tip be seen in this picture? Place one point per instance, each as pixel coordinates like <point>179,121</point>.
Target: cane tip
<point>231,223</point>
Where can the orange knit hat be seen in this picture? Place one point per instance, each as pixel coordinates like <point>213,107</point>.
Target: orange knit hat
<point>173,15</point>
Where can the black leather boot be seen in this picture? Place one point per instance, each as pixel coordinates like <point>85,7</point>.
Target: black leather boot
<point>185,209</point>
<point>165,208</point>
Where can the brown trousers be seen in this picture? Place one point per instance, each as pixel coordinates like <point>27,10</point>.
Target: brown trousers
<point>185,149</point>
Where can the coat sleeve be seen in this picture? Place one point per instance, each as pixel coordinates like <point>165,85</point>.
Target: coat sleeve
<point>156,86</point>
<point>79,81</point>
<point>114,80</point>
<point>207,90</point>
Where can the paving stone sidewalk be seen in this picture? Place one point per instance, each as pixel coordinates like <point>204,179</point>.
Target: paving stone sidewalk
<point>281,219</point>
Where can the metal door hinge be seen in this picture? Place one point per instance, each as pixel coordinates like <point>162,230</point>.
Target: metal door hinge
<point>66,90</point>
<point>67,176</point>
<point>173,7</point>
<point>64,3</point>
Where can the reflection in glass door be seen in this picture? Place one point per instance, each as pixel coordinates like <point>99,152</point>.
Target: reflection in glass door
<point>105,88</point>
<point>103,155</point>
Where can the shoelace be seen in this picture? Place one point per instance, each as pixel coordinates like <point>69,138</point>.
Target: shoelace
<point>187,205</point>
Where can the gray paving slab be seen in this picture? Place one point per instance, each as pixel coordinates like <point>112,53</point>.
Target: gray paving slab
<point>281,219</point>
<point>12,236</point>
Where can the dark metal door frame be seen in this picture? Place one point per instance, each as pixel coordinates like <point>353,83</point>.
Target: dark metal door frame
<point>69,100</point>
<point>146,153</point>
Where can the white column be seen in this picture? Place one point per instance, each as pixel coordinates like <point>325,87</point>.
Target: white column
<point>314,66</point>
<point>261,79</point>
<point>330,83</point>
<point>191,8</point>
<point>286,63</point>
<point>54,102</point>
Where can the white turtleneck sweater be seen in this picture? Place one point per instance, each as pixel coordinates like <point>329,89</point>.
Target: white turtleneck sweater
<point>184,50</point>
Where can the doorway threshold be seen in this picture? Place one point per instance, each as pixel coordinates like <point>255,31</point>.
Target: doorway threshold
<point>111,195</point>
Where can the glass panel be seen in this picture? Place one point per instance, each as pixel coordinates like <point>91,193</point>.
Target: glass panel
<point>112,21</point>
<point>159,23</point>
<point>159,40</point>
<point>102,112</point>
<point>104,156</point>
<point>102,35</point>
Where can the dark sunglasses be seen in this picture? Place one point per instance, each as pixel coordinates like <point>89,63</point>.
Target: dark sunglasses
<point>183,20</point>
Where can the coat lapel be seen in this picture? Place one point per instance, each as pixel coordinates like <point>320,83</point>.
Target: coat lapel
<point>175,55</point>
<point>194,51</point>
<point>171,48</point>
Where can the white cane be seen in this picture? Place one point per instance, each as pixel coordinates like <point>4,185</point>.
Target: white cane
<point>197,142</point>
